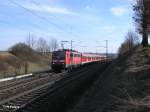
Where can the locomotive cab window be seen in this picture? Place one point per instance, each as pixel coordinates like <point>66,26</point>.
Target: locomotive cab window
<point>58,55</point>
<point>71,55</point>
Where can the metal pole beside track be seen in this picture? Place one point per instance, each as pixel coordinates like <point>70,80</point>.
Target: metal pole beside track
<point>106,49</point>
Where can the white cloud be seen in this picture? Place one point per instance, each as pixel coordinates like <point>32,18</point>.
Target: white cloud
<point>49,9</point>
<point>118,11</point>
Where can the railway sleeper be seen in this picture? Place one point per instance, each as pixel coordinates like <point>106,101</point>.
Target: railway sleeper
<point>18,101</point>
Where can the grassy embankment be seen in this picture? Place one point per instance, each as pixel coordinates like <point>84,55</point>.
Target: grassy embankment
<point>130,82</point>
<point>15,64</point>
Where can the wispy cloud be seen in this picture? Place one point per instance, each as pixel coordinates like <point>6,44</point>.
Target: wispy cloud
<point>118,11</point>
<point>49,9</point>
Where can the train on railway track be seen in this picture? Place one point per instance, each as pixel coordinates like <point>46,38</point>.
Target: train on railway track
<point>69,59</point>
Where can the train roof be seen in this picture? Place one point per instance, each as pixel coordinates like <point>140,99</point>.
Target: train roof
<point>93,55</point>
<point>83,54</point>
<point>67,50</point>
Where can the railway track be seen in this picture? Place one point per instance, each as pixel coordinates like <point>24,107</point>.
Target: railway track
<point>16,93</point>
<point>30,92</point>
<point>59,95</point>
<point>16,81</point>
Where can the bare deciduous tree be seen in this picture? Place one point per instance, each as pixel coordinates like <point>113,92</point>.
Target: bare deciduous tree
<point>42,46</point>
<point>24,52</point>
<point>53,44</point>
<point>131,40</point>
<point>31,41</point>
<point>20,49</point>
<point>141,17</point>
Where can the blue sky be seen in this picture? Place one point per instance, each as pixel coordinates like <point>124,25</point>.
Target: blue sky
<point>87,22</point>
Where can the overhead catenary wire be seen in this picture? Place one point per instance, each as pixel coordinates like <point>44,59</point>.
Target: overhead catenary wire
<point>7,23</point>
<point>39,16</point>
<point>35,25</point>
<point>39,5</point>
<point>24,29</point>
<point>53,16</point>
<point>35,14</point>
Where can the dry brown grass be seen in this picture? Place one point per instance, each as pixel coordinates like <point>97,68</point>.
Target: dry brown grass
<point>14,65</point>
<point>131,92</point>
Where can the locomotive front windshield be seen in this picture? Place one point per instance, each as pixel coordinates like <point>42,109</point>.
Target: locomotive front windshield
<point>58,55</point>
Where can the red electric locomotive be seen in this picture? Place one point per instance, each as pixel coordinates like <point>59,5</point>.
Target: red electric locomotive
<point>65,59</point>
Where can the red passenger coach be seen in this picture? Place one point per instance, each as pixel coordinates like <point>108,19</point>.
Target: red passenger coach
<point>90,58</point>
